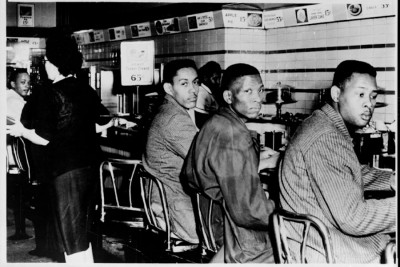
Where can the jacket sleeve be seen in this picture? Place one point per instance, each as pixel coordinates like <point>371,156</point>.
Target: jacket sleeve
<point>235,162</point>
<point>375,179</point>
<point>179,134</point>
<point>337,180</point>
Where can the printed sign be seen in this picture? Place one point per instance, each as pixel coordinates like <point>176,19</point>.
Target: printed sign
<point>99,36</point>
<point>201,21</point>
<point>273,19</point>
<point>140,30</point>
<point>370,9</point>
<point>137,63</point>
<point>167,26</point>
<point>25,15</point>
<point>117,33</point>
<point>314,14</point>
<point>31,42</point>
<point>242,19</point>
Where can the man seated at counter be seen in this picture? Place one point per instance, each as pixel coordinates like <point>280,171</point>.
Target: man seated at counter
<point>223,163</point>
<point>169,137</point>
<point>322,176</point>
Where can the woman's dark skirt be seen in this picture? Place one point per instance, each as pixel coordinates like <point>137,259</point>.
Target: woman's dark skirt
<point>72,194</point>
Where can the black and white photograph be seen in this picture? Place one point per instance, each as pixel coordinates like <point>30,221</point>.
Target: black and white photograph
<point>199,132</point>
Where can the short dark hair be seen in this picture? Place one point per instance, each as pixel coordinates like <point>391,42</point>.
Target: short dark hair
<point>345,70</point>
<point>208,69</point>
<point>15,72</point>
<point>63,53</point>
<point>234,72</point>
<point>171,68</point>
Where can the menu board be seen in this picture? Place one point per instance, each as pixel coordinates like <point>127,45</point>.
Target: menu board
<point>274,19</point>
<point>167,26</point>
<point>117,33</point>
<point>137,63</point>
<point>201,21</point>
<point>140,30</point>
<point>370,9</point>
<point>242,19</point>
<point>98,36</point>
<point>314,14</point>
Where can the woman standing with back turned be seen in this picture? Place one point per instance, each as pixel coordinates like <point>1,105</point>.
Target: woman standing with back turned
<point>66,126</point>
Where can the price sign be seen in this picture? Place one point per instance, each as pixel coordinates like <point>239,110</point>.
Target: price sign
<point>140,30</point>
<point>137,63</point>
<point>25,15</point>
<point>201,21</point>
<point>242,19</point>
<point>273,19</point>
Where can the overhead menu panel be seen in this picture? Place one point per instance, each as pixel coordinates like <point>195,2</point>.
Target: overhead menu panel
<point>201,21</point>
<point>242,19</point>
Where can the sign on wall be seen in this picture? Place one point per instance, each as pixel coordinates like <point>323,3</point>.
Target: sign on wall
<point>274,19</point>
<point>140,30</point>
<point>242,19</point>
<point>98,36</point>
<point>325,13</point>
<point>137,63</point>
<point>201,21</point>
<point>26,15</point>
<point>117,33</point>
<point>167,26</point>
<point>314,14</point>
<point>369,9</point>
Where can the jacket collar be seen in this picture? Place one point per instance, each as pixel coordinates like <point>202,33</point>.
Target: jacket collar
<point>337,120</point>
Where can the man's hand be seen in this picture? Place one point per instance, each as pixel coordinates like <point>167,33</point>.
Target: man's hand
<point>268,159</point>
<point>128,124</point>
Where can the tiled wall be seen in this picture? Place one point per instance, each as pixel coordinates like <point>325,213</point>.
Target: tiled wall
<point>306,56</point>
<point>303,57</point>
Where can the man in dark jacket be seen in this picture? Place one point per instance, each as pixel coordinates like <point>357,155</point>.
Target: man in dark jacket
<point>223,163</point>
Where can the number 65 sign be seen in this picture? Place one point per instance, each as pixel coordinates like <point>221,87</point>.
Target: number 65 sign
<point>137,63</point>
<point>25,15</point>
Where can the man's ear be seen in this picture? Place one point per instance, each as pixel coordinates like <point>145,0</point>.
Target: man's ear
<point>227,96</point>
<point>168,89</point>
<point>335,93</point>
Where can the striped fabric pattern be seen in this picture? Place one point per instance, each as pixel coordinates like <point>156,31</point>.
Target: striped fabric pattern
<point>322,176</point>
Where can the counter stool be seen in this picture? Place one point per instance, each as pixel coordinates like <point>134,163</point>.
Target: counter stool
<point>281,235</point>
<point>116,190</point>
<point>147,182</point>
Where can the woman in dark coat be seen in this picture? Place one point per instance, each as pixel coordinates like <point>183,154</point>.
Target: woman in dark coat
<point>65,125</point>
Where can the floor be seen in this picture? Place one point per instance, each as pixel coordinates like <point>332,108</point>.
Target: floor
<point>113,243</point>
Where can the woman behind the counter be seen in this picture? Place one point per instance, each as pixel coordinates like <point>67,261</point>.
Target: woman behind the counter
<point>66,126</point>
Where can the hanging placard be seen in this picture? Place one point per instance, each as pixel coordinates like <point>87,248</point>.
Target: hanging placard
<point>137,63</point>
<point>201,21</point>
<point>25,15</point>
